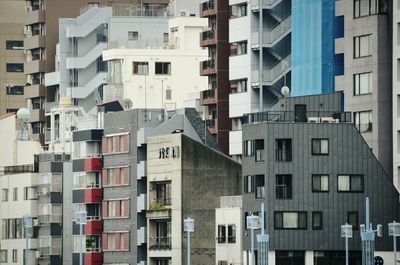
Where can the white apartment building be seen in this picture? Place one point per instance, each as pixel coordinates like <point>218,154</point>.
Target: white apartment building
<point>163,77</point>
<point>396,94</point>
<point>18,193</point>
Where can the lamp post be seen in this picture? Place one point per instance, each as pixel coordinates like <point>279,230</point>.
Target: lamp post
<point>347,232</point>
<point>253,223</point>
<point>81,219</point>
<point>188,226</point>
<point>263,241</point>
<point>27,222</point>
<point>394,231</point>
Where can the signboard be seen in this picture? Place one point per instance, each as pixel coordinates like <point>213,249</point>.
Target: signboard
<point>169,152</point>
<point>253,222</point>
<point>188,225</point>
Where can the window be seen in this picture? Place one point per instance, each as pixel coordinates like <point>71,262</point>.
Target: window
<point>163,193</point>
<point>15,256</point>
<point>238,48</point>
<point>116,241</point>
<point>15,90</point>
<point>15,194</point>
<point>260,186</point>
<point>283,150</point>
<point>168,94</point>
<point>248,148</point>
<point>351,183</point>
<point>259,148</point>
<point>231,233</point>
<point>3,256</point>
<point>369,7</point>
<point>238,86</point>
<point>12,110</point>
<point>11,228</point>
<point>320,146</point>
<point>336,257</point>
<point>352,219</point>
<point>238,11</point>
<point>248,184</point>
<point>163,68</point>
<point>317,220</point>
<point>166,37</point>
<point>15,67</point>
<point>140,68</point>
<point>362,83</point>
<point>116,209</point>
<point>221,234</point>
<point>362,46</point>
<point>290,220</point>
<point>363,121</point>
<point>4,195</point>
<point>320,183</point>
<point>30,193</point>
<point>283,186</point>
<point>14,45</point>
<point>133,35</point>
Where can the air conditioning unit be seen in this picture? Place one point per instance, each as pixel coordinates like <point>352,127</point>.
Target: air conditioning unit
<point>328,120</point>
<point>28,9</point>
<point>183,13</point>
<point>313,119</point>
<point>38,254</point>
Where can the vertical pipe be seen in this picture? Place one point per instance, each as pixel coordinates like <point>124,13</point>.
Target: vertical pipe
<point>81,247</point>
<point>262,218</point>
<point>188,251</point>
<point>26,247</point>
<point>261,62</point>
<point>367,225</point>
<point>347,250</point>
<point>394,250</point>
<point>252,247</point>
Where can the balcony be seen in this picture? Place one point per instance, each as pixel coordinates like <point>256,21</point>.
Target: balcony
<point>207,67</point>
<point>50,251</point>
<point>93,164</point>
<point>208,38</point>
<point>211,125</point>
<point>49,219</point>
<point>93,227</point>
<point>208,9</point>
<point>37,115</point>
<point>36,66</point>
<point>35,16</point>
<point>208,97</point>
<point>34,91</point>
<point>94,195</point>
<point>90,257</point>
<point>161,213</point>
<point>160,243</point>
<point>33,42</point>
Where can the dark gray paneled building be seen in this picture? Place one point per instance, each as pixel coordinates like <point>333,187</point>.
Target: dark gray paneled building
<point>313,170</point>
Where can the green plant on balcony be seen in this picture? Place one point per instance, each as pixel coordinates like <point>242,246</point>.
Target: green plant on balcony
<point>157,206</point>
<point>90,243</point>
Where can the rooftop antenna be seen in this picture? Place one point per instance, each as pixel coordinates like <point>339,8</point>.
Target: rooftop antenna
<point>24,116</point>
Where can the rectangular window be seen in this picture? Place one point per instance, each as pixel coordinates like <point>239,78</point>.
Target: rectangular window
<point>362,83</point>
<point>248,184</point>
<point>352,219</point>
<point>238,11</point>
<point>259,149</point>
<point>4,195</point>
<point>163,68</point>
<point>30,193</point>
<point>15,256</point>
<point>369,7</point>
<point>317,220</point>
<point>238,48</point>
<point>283,150</point>
<point>260,186</point>
<point>362,46</point>
<point>15,67</point>
<point>11,110</point>
<point>248,148</point>
<point>166,37</point>
<point>290,220</point>
<point>351,183</point>
<point>320,146</point>
<point>221,234</point>
<point>15,194</point>
<point>363,121</point>
<point>14,45</point>
<point>168,94</point>
<point>283,186</point>
<point>15,90</point>
<point>140,68</point>
<point>133,35</point>
<point>3,256</point>
<point>320,183</point>
<point>231,233</point>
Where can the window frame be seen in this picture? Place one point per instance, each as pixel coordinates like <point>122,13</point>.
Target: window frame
<point>320,145</point>
<point>304,213</point>
<point>248,144</point>
<point>231,239</point>
<point>355,227</point>
<point>15,68</point>
<point>286,151</point>
<point>357,46</point>
<point>137,65</point>
<point>357,80</point>
<point>357,8</point>
<point>313,181</point>
<point>314,227</point>
<point>289,188</point>
<point>221,234</point>
<point>15,90</point>
<point>3,256</point>
<point>248,179</point>
<point>358,124</point>
<point>4,195</point>
<point>164,66</point>
<point>259,177</point>
<point>259,157</point>
<point>350,176</point>
<point>10,47</point>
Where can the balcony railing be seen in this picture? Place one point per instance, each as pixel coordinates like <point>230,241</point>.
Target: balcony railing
<point>208,5</point>
<point>208,35</point>
<point>209,64</point>
<point>292,116</point>
<point>160,243</point>
<point>210,123</point>
<point>208,94</point>
<point>50,251</point>
<point>283,192</point>
<point>18,169</point>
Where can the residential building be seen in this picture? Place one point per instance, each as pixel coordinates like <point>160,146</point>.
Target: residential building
<point>228,231</point>
<point>396,95</point>
<point>18,182</point>
<point>367,79</point>
<point>312,169</point>
<point>159,77</point>
<point>12,56</point>
<point>215,96</point>
<point>185,178</point>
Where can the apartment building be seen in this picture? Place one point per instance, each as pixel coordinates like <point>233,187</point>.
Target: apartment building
<point>12,75</point>
<point>367,79</point>
<point>396,95</point>
<point>312,169</point>
<point>162,77</point>
<point>18,182</point>
<point>215,98</point>
<point>185,179</point>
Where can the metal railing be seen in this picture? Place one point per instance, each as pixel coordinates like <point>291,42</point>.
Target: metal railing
<point>269,75</point>
<point>208,94</point>
<point>160,243</point>
<point>128,10</point>
<point>257,3</point>
<point>210,123</point>
<point>273,34</point>
<point>209,64</point>
<point>50,251</point>
<point>18,169</point>
<point>208,5</point>
<point>208,35</point>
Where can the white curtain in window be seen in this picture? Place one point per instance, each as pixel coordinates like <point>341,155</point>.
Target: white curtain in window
<point>324,147</point>
<point>290,220</point>
<point>324,183</point>
<point>343,183</point>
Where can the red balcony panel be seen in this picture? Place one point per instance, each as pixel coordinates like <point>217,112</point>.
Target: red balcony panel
<point>208,38</point>
<point>208,67</point>
<point>93,164</point>
<point>94,227</point>
<point>208,97</point>
<point>93,196</point>
<point>208,8</point>
<point>93,258</point>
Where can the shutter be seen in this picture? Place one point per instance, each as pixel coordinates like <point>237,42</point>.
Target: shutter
<point>105,209</point>
<point>118,208</point>
<point>117,144</point>
<point>126,143</point>
<point>117,241</point>
<point>125,175</point>
<point>104,145</point>
<point>117,173</point>
<point>105,241</point>
<point>104,177</point>
<point>126,208</point>
<point>126,239</point>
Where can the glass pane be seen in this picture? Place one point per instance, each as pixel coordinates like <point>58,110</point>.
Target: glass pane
<point>324,146</point>
<point>316,148</point>
<point>290,220</point>
<point>343,183</point>
<point>364,8</point>
<point>364,46</point>
<point>324,183</point>
<point>356,183</point>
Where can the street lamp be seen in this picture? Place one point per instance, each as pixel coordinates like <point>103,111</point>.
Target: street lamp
<point>347,232</point>
<point>81,219</point>
<point>394,231</point>
<point>253,223</point>
<point>188,226</point>
<point>27,223</point>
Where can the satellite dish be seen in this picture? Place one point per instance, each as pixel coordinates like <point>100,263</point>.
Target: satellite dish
<point>23,114</point>
<point>127,103</point>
